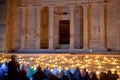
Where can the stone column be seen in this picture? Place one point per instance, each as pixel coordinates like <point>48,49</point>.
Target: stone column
<point>31,29</point>
<point>85,26</point>
<point>38,25</point>
<point>51,27</point>
<point>23,27</point>
<point>102,24</point>
<point>72,26</point>
<point>119,26</point>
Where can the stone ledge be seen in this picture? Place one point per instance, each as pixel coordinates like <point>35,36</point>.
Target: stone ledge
<point>57,2</point>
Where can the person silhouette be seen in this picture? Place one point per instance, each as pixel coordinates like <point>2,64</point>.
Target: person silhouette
<point>13,68</point>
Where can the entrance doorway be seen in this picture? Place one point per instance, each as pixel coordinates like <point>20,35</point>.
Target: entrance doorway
<point>64,32</point>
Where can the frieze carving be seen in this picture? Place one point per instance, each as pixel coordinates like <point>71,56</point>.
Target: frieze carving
<point>47,2</point>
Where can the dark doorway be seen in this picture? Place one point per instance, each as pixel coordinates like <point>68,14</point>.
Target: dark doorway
<point>64,32</point>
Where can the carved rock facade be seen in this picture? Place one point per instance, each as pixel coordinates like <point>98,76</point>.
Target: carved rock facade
<point>35,24</point>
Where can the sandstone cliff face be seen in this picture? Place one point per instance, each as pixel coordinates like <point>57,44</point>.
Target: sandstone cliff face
<point>3,12</point>
<point>3,9</point>
<point>12,40</point>
<point>2,36</point>
<point>113,24</point>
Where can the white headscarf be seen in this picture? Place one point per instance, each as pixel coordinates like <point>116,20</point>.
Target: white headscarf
<point>72,70</point>
<point>55,71</point>
<point>4,67</point>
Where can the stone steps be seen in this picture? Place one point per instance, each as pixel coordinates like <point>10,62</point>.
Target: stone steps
<point>62,50</point>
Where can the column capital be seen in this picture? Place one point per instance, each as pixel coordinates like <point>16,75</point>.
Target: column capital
<point>31,6</point>
<point>85,5</point>
<point>51,5</point>
<point>23,7</point>
<point>39,7</point>
<point>98,4</point>
<point>102,4</point>
<point>72,5</point>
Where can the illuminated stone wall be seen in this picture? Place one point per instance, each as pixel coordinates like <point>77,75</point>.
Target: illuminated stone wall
<point>2,36</point>
<point>103,25</point>
<point>3,9</point>
<point>113,24</point>
<point>13,25</point>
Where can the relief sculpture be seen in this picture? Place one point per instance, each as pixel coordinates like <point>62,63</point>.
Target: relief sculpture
<point>95,33</point>
<point>31,34</point>
<point>30,39</point>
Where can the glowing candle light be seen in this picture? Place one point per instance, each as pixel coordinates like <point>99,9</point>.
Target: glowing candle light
<point>77,60</point>
<point>103,61</point>
<point>66,68</point>
<point>59,67</point>
<point>105,58</point>
<point>55,62</point>
<point>118,66</point>
<point>73,66</point>
<point>78,64</point>
<point>87,70</point>
<point>114,63</point>
<point>86,65</point>
<point>42,63</point>
<point>73,57</point>
<point>115,60</point>
<point>82,66</point>
<point>99,66</point>
<point>97,62</point>
<point>19,56</point>
<point>50,56</point>
<point>86,56</point>
<point>50,61</point>
<point>47,64</point>
<point>91,59</point>
<point>31,58</point>
<point>97,72</point>
<point>113,69</point>
<point>27,62</point>
<point>54,65</point>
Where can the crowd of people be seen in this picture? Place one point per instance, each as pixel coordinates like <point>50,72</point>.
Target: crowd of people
<point>16,72</point>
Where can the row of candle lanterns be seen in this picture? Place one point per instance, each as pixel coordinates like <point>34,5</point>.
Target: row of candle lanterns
<point>98,63</point>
